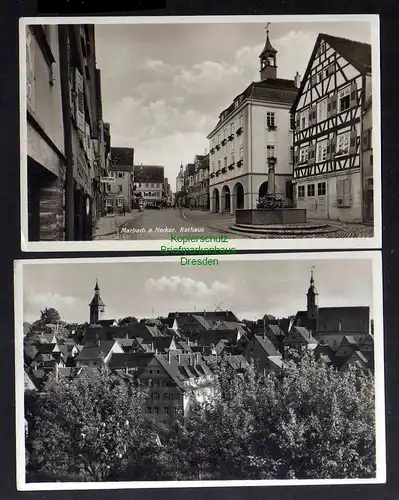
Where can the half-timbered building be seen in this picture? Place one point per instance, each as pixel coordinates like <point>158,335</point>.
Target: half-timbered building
<point>329,136</point>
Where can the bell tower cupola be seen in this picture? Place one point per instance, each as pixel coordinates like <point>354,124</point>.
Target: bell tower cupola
<point>97,306</point>
<point>268,60</point>
<point>312,299</point>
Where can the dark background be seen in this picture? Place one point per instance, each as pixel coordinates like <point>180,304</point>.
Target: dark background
<point>10,246</point>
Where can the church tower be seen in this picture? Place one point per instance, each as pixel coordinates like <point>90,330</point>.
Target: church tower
<point>97,306</point>
<point>268,67</point>
<point>312,302</point>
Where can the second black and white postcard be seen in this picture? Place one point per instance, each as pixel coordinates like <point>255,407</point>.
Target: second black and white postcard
<point>143,373</point>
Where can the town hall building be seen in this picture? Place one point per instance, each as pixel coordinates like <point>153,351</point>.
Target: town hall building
<point>252,136</point>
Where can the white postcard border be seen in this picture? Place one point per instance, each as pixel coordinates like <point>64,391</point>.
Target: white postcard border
<point>376,259</point>
<point>373,242</point>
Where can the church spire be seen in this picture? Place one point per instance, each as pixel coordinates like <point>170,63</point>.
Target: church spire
<point>312,298</point>
<point>268,67</point>
<point>96,306</point>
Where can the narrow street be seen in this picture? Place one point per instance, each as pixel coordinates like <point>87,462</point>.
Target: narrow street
<point>160,224</point>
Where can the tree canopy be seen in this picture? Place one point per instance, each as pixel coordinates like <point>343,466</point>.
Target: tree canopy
<point>308,421</point>
<point>84,428</point>
<point>49,316</point>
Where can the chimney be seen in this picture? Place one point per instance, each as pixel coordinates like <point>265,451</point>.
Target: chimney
<point>297,80</point>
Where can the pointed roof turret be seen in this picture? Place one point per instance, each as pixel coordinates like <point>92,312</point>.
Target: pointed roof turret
<point>268,48</point>
<point>96,301</point>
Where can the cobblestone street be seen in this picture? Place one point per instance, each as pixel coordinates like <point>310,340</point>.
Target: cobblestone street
<point>223,223</point>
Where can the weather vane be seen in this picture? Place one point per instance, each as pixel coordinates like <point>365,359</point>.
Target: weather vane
<point>267,27</point>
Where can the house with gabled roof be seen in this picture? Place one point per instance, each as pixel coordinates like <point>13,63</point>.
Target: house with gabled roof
<point>174,381</point>
<point>261,350</point>
<point>299,339</point>
<point>330,135</point>
<point>97,353</point>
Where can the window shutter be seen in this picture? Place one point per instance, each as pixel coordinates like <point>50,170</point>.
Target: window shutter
<point>333,145</point>
<point>353,95</point>
<point>329,107</point>
<point>340,192</point>
<point>347,192</point>
<point>311,154</point>
<point>298,121</point>
<point>296,156</point>
<point>328,149</point>
<point>353,142</point>
<point>80,106</point>
<point>310,116</point>
<point>334,102</point>
<point>87,139</point>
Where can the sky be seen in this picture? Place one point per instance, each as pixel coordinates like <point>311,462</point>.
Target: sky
<point>164,85</point>
<point>150,289</point>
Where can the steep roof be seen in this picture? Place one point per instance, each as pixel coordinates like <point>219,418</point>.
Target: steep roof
<point>149,173</point>
<point>346,319</point>
<point>266,345</point>
<point>209,315</point>
<point>122,156</point>
<point>305,334</point>
<point>91,352</point>
<point>356,53</point>
<point>274,90</point>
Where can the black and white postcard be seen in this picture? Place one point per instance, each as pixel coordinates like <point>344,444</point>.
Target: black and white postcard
<point>138,131</point>
<point>146,373</point>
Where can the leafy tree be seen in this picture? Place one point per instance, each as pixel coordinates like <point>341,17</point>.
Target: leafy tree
<point>317,422</point>
<point>310,421</point>
<point>86,427</point>
<point>128,320</point>
<point>49,316</point>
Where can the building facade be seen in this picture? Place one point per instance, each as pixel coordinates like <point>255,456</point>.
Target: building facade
<point>120,192</point>
<point>198,194</point>
<point>332,171</point>
<point>64,115</point>
<point>180,180</point>
<point>252,140</point>
<point>149,184</point>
